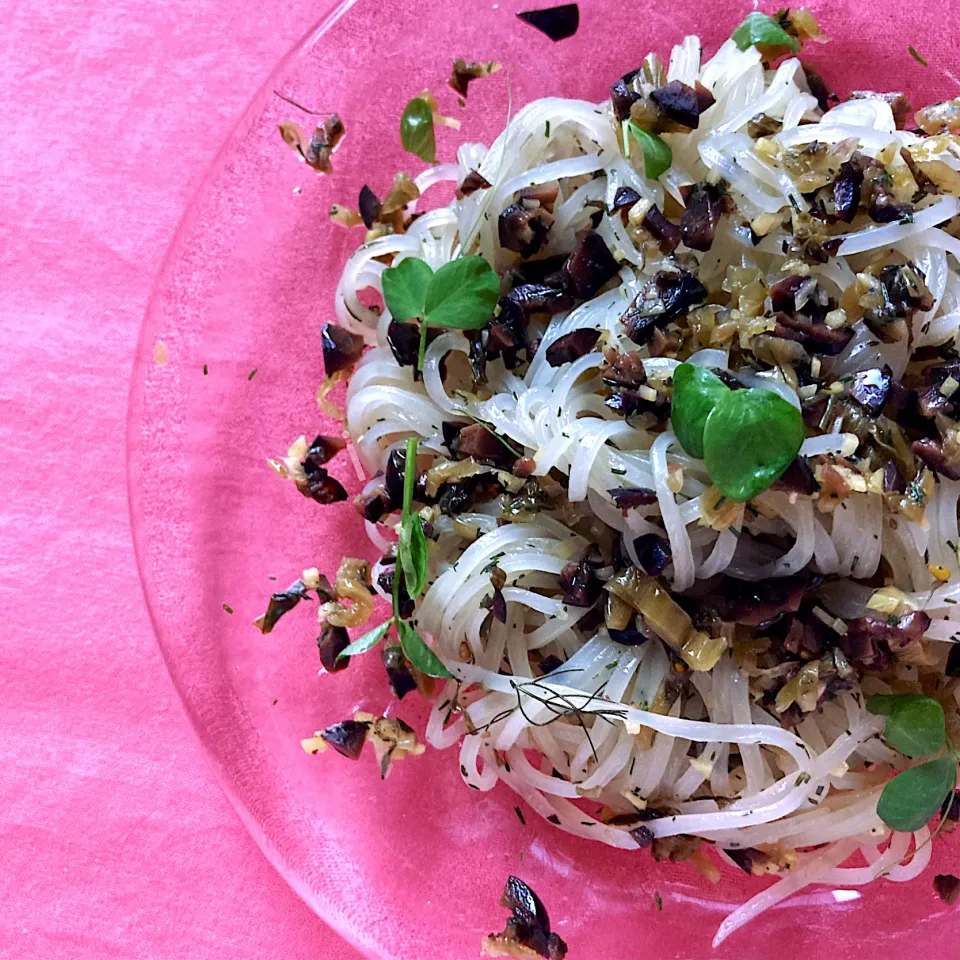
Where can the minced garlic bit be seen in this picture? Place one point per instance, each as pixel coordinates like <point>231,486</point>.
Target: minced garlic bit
<point>834,319</point>
<point>702,765</point>
<point>314,744</point>
<point>719,512</point>
<point>850,443</point>
<point>639,211</point>
<point>891,601</point>
<point>648,393</point>
<point>633,797</point>
<point>675,477</point>
<point>834,623</point>
<point>949,386</point>
<point>291,466</point>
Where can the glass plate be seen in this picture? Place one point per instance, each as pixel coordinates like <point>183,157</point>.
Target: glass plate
<point>410,868</point>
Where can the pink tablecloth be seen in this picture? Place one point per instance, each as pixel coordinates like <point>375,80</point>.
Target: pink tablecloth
<point>115,840</point>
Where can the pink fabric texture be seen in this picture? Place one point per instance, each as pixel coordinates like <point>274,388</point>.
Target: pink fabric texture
<point>115,839</point>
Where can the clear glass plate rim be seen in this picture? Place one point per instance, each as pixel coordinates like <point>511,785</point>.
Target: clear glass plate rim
<point>324,908</point>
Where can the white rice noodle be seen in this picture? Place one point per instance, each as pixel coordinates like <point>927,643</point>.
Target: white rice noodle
<point>683,567</point>
<point>811,870</point>
<point>890,234</point>
<point>804,789</point>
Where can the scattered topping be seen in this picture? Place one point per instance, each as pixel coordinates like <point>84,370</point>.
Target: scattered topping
<point>392,740</point>
<point>798,478</point>
<point>916,56</point>
<point>665,298</point>
<point>704,204</point>
<point>472,182</point>
<point>747,438</point>
<point>580,585</point>
<point>404,342</point>
<point>623,369</point>
<point>696,391</point>
<point>825,97</point>
<point>759,604</point>
<point>942,458</point>
<point>870,389</point>
<point>589,267</point>
<point>318,484</point>
<point>401,679</point>
<point>557,23</point>
<point>369,206</point>
<point>317,151</point>
<point>653,552</point>
<point>666,233</point>
<point>285,600</point>
<point>352,584</point>
<point>522,230</point>
<point>624,199</point>
<point>345,216</point>
<point>939,117</point>
<point>464,72</point>
<point>331,643</point>
<point>480,443</point>
<point>846,190</point>
<point>682,103</point>
<point>763,32</point>
<point>416,130</point>
<point>946,885</point>
<point>527,932</point>
<point>347,738</point>
<point>341,348</point>
<point>627,497</point>
<point>571,346</point>
<point>870,641</point>
<point>660,612</point>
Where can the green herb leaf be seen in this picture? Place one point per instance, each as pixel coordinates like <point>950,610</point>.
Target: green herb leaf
<point>760,30</point>
<point>750,438</point>
<point>413,554</point>
<point>915,723</point>
<point>416,130</point>
<point>367,642</point>
<point>912,50</point>
<point>657,155</point>
<point>462,294</point>
<point>910,800</point>
<point>419,654</point>
<point>412,547</point>
<point>405,288</point>
<point>696,391</point>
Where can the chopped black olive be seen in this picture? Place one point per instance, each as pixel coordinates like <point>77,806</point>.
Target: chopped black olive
<point>653,552</point>
<point>682,103</point>
<point>331,643</point>
<point>369,205</point>
<point>347,737</point>
<point>590,266</point>
<point>557,23</point>
<point>404,342</point>
<point>341,348</point>
<point>571,346</point>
